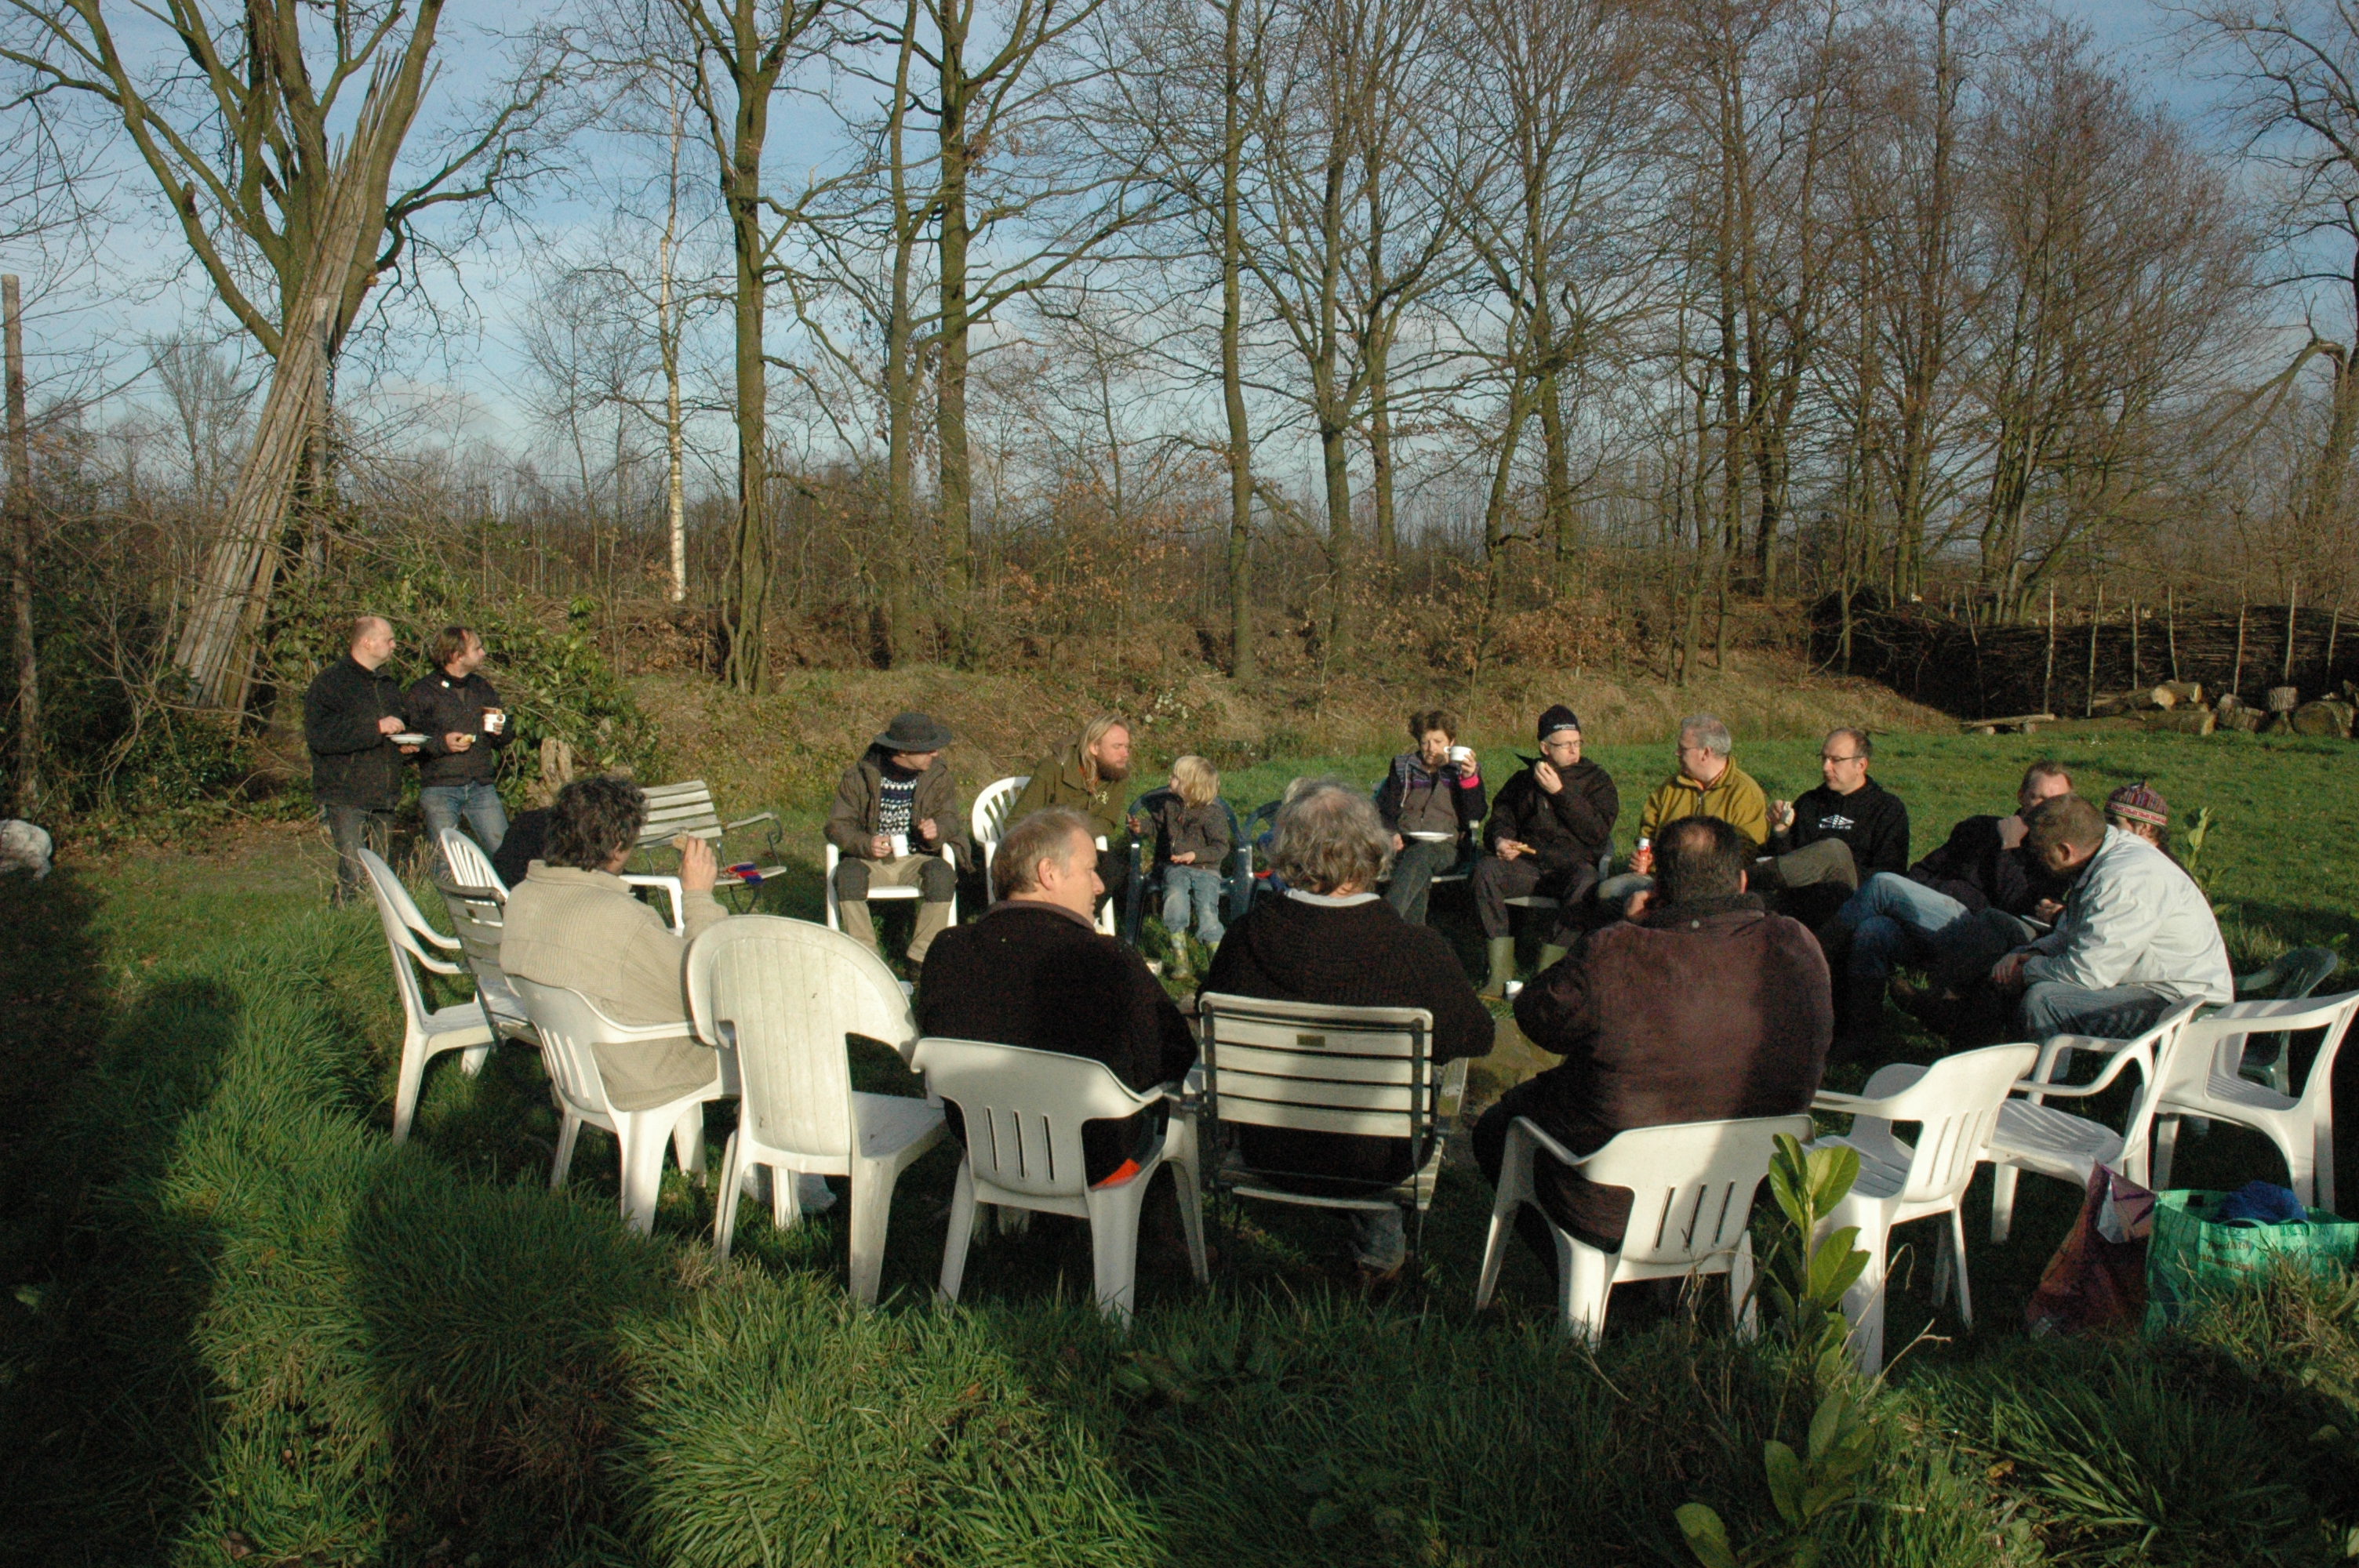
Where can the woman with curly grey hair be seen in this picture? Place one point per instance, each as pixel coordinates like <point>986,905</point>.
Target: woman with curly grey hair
<point>1329,939</point>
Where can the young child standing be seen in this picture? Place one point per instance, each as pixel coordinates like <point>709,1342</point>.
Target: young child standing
<point>1195,834</point>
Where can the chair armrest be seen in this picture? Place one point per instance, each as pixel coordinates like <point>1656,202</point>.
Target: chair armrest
<point>2059,1046</point>
<point>1850,1104</point>
<point>1452,1091</point>
<point>632,1033</point>
<point>448,944</point>
<point>671,888</point>
<point>749,821</point>
<point>439,967</point>
<point>1548,1145</point>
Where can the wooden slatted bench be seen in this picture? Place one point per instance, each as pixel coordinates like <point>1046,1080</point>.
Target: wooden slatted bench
<point>677,808</point>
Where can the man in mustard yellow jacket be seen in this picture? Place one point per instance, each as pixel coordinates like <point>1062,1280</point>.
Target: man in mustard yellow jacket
<point>1706,784</point>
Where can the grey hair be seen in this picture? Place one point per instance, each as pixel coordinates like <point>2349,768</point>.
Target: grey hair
<point>1328,836</point>
<point>1709,732</point>
<point>1042,835</point>
<point>1857,736</point>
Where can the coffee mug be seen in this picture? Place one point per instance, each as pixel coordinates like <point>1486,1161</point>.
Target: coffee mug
<point>1463,755</point>
<point>900,842</point>
<point>494,721</point>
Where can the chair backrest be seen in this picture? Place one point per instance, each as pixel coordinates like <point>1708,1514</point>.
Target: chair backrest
<point>1955,1102</point>
<point>988,819</point>
<point>468,865</point>
<point>783,994</point>
<point>1024,1109</point>
<point>398,913</point>
<point>1691,1183</point>
<point>1366,1071</point>
<point>677,808</point>
<point>568,1026</point>
<point>2216,1044</point>
<point>477,917</point>
<point>2290,975</point>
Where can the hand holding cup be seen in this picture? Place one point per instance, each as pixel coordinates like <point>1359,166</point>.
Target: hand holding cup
<point>697,869</point>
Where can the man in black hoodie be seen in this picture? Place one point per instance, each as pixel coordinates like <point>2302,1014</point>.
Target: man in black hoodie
<point>1330,939</point>
<point>1823,845</point>
<point>350,716</point>
<point>1547,826</point>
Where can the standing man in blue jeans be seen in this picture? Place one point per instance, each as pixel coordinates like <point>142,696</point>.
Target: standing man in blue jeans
<point>465,729</point>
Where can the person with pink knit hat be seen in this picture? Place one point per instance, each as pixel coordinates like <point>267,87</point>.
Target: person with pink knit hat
<point>2139,809</point>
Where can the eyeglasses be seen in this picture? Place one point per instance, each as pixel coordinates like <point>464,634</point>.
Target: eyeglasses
<point>1824,758</point>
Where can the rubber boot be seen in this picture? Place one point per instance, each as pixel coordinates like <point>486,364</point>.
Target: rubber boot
<point>1859,1019</point>
<point>1502,950</point>
<point>1550,955</point>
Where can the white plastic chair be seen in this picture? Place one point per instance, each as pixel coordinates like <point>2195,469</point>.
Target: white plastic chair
<point>1691,1186</point>
<point>987,822</point>
<point>427,1031</point>
<point>569,1028</point>
<point>1361,1071</point>
<point>2032,1135</point>
<point>1955,1103</point>
<point>2205,1081</point>
<point>477,915</point>
<point>1023,1111</point>
<point>780,996</point>
<point>875,894</point>
<point>469,866</point>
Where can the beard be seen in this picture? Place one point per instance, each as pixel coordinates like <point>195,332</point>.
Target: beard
<point>1109,773</point>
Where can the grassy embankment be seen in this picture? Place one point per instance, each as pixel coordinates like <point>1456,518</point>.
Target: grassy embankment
<point>242,1321</point>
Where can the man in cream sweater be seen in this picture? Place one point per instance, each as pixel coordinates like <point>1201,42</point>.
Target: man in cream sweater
<point>572,922</point>
<point>2137,933</point>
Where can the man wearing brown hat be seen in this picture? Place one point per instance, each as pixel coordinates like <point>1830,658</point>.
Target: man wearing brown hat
<point>895,810</point>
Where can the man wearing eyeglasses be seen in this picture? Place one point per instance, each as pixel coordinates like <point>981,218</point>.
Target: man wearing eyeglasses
<point>1823,845</point>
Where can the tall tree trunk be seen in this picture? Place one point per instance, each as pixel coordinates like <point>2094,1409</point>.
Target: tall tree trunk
<point>901,377</point>
<point>20,523</point>
<point>1380,440</point>
<point>1556,466</point>
<point>955,236</point>
<point>668,344</point>
<point>1232,381</point>
<point>745,607</point>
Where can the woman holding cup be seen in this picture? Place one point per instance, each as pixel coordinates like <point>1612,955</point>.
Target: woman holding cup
<point>1432,802</point>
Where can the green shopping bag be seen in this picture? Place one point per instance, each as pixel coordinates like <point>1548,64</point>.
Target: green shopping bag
<point>2190,1256</point>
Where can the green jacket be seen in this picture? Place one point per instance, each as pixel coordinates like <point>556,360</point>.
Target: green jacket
<point>1058,781</point>
<point>1734,797</point>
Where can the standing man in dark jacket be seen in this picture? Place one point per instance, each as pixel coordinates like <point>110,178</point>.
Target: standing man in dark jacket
<point>1700,1007</point>
<point>895,810</point>
<point>1330,939</point>
<point>1822,846</point>
<point>1034,971</point>
<point>350,715</point>
<point>1958,909</point>
<point>465,729</point>
<point>1433,801</point>
<point>1548,827</point>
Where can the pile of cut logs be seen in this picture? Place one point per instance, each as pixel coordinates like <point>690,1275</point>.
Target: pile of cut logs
<point>2179,705</point>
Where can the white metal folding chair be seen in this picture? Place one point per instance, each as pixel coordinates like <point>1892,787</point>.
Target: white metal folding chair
<point>834,858</point>
<point>2205,1080</point>
<point>427,1031</point>
<point>780,996</point>
<point>2032,1135</point>
<point>1955,1103</point>
<point>1023,1111</point>
<point>570,1029</point>
<point>1691,1186</point>
<point>1362,1071</point>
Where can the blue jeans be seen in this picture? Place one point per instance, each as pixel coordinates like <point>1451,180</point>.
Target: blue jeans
<point>1892,918</point>
<point>1201,885</point>
<point>2117,1012</point>
<point>443,805</point>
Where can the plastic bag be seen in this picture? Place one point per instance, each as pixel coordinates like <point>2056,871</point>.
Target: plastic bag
<point>2097,1279</point>
<point>2193,1255</point>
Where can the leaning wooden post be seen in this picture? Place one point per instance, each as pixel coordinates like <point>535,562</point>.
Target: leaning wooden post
<point>2293,600</point>
<point>2333,625</point>
<point>2089,694</point>
<point>2048,677</point>
<point>2170,626</point>
<point>19,514</point>
<point>2236,681</point>
<point>2133,649</point>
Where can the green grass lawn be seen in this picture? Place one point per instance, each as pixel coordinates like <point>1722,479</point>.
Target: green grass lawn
<point>242,1325</point>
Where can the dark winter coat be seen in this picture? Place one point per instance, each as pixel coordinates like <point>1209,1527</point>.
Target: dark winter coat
<point>1359,954</point>
<point>1702,1011</point>
<point>852,821</point>
<point>1974,867</point>
<point>1184,829</point>
<point>1871,819</point>
<point>439,705</point>
<point>352,761</point>
<point>1034,975</point>
<point>1567,830</point>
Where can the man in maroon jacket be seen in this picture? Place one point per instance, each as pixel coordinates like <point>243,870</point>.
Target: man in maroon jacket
<point>1702,1007</point>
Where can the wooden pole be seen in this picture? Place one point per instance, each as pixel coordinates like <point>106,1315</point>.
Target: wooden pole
<point>2170,626</point>
<point>19,511</point>
<point>2133,648</point>
<point>2333,625</point>
<point>2293,600</point>
<point>2048,677</point>
<point>2236,681</point>
<point>2089,692</point>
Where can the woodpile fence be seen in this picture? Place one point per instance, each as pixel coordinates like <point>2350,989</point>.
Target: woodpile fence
<point>2067,666</point>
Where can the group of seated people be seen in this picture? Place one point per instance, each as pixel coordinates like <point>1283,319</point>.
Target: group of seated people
<point>1692,991</point>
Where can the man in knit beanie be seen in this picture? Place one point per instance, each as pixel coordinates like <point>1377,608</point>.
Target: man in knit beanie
<point>1547,826</point>
<point>2139,809</point>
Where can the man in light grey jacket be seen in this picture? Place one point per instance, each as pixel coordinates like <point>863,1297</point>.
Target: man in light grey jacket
<point>572,922</point>
<point>2137,933</point>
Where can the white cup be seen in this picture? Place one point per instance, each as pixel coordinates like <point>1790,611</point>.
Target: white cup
<point>494,721</point>
<point>900,842</point>
<point>1463,755</point>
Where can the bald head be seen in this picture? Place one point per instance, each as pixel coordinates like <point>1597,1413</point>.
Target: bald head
<point>372,640</point>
